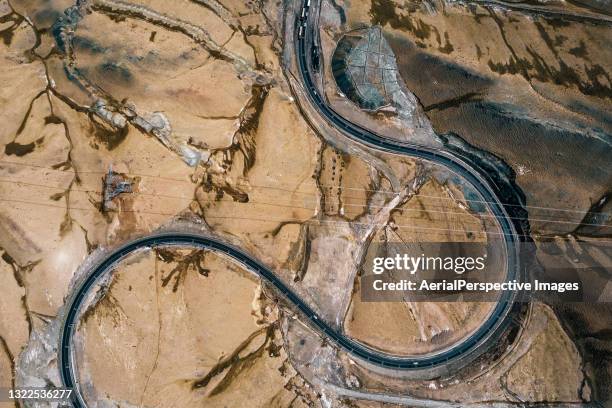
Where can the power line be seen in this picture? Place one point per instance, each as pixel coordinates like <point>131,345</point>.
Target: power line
<point>297,220</point>
<point>402,210</point>
<point>300,192</point>
<point>239,218</point>
<point>188,200</point>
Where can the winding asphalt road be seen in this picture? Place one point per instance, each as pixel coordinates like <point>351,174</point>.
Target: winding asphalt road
<point>467,348</point>
<point>481,181</point>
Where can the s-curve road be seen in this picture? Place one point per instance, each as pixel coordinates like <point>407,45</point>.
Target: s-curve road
<point>459,353</point>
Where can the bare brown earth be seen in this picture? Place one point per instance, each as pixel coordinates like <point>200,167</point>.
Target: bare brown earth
<point>190,104</point>
<point>184,327</point>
